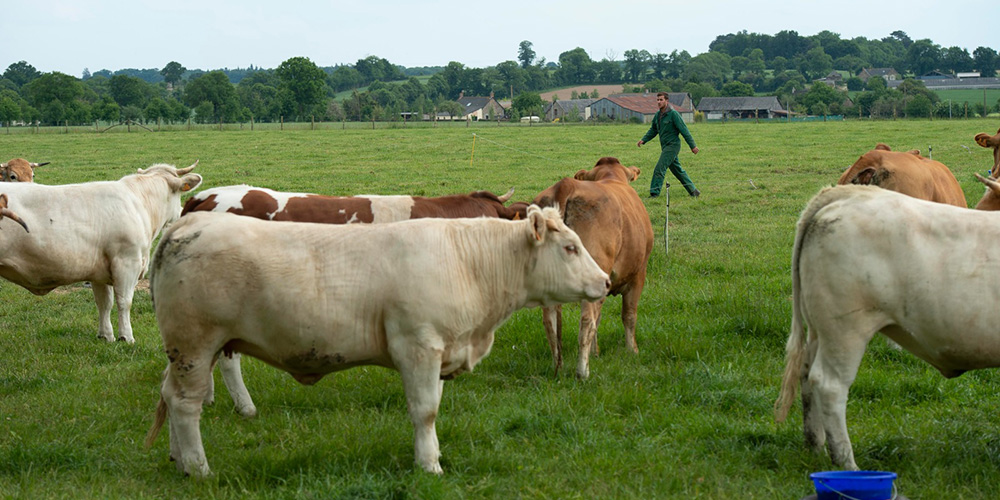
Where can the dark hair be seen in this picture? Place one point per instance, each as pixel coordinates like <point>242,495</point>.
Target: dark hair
<point>664,94</point>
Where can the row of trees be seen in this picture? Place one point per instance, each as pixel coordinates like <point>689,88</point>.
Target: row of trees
<point>737,64</point>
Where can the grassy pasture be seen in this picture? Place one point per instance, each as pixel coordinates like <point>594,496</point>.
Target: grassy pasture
<point>688,417</point>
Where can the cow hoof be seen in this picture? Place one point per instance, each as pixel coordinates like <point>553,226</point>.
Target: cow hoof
<point>434,468</point>
<point>583,373</point>
<point>127,340</point>
<point>106,338</point>
<point>247,411</point>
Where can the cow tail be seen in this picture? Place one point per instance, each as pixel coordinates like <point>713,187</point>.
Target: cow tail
<point>160,418</point>
<point>795,348</point>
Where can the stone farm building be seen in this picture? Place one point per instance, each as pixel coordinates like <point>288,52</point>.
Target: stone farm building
<point>641,106</point>
<point>720,108</point>
<point>480,108</point>
<point>560,109</point>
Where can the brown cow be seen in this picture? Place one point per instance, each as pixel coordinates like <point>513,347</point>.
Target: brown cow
<point>907,173</point>
<point>19,170</point>
<point>601,206</point>
<point>990,199</point>
<point>267,204</point>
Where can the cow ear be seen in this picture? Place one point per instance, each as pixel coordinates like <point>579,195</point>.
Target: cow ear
<point>882,147</point>
<point>865,177</point>
<point>981,139</point>
<point>3,201</point>
<point>634,172</point>
<point>190,181</point>
<point>581,175</point>
<point>538,224</point>
<point>914,152</point>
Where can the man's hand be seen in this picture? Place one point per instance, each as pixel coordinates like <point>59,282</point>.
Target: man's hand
<point>694,150</point>
<point>639,144</point>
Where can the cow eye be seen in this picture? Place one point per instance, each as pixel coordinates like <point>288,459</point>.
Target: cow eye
<point>571,249</point>
<point>13,177</point>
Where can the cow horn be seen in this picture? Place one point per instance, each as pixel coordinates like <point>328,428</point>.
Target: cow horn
<point>187,170</point>
<point>42,164</point>
<point>990,183</point>
<point>3,165</point>
<point>507,195</point>
<point>6,212</point>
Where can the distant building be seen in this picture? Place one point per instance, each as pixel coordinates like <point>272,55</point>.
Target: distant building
<point>718,108</point>
<point>641,106</point>
<point>888,74</point>
<point>480,108</point>
<point>559,109</point>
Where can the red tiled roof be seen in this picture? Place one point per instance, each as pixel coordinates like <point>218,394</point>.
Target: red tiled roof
<point>640,103</point>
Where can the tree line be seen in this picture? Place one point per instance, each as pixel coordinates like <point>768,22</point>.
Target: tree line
<point>741,64</point>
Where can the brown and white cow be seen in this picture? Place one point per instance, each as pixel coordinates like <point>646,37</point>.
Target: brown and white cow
<point>991,198</point>
<point>19,170</point>
<point>8,213</point>
<point>868,260</point>
<point>268,204</point>
<point>423,297</point>
<point>907,173</point>
<point>99,232</point>
<point>603,208</point>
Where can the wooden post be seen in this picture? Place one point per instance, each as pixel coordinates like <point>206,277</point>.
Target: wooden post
<point>282,126</point>
<point>251,123</point>
<point>220,124</point>
<point>312,123</point>
<point>66,126</point>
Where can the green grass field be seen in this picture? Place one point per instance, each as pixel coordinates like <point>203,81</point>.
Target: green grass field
<point>690,416</point>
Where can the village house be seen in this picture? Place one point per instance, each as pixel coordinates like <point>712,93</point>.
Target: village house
<point>641,106</point>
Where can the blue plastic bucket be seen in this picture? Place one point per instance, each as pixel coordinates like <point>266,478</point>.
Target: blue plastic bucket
<point>854,485</point>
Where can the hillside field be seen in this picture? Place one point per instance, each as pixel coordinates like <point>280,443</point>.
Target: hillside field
<point>690,416</point>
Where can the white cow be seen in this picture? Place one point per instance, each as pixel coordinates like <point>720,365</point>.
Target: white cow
<point>869,260</point>
<point>423,297</point>
<point>97,231</point>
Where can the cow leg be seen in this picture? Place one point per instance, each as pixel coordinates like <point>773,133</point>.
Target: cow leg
<point>232,376</point>
<point>630,312</point>
<point>420,368</point>
<point>102,296</point>
<point>589,313</point>
<point>184,390</point>
<point>833,371</point>
<point>552,319</point>
<point>812,414</point>
<point>125,280</point>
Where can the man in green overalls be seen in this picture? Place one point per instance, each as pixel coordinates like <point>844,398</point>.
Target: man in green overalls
<point>668,124</point>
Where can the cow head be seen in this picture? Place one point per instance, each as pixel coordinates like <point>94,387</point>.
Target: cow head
<point>178,180</point>
<point>991,141</point>
<point>608,167</point>
<point>18,170</point>
<point>561,269</point>
<point>6,212</point>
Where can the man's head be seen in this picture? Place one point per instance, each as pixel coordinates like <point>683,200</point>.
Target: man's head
<point>661,100</point>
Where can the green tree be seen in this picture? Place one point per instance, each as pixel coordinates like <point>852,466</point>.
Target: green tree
<point>129,90</point>
<point>636,64</point>
<point>919,107</point>
<point>21,73</point>
<point>528,103</point>
<point>9,110</point>
<point>214,88</point>
<point>305,81</point>
<point>737,89</point>
<point>855,84</point>
<point>51,93</point>
<point>512,76</point>
<point>157,109</point>
<point>204,112</point>
<point>344,78</point>
<point>575,66</point>
<point>986,61</point>
<point>525,54</point>
<point>817,63</point>
<point>107,110</point>
<point>956,59</point>
<point>709,67</point>
<point>923,56</point>
<point>172,72</point>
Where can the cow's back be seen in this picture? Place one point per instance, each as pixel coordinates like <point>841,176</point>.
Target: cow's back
<point>910,174</point>
<point>896,260</point>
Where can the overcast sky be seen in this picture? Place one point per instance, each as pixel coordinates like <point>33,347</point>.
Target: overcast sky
<point>70,35</point>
